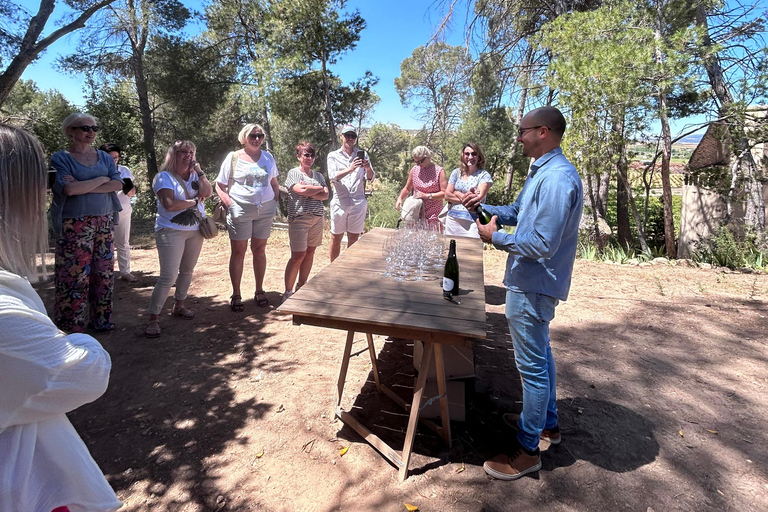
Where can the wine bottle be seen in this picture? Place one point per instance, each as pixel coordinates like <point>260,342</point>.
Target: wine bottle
<point>451,274</point>
<point>485,217</point>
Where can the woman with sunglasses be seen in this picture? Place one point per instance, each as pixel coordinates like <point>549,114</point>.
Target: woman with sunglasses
<point>427,180</point>
<point>83,212</point>
<point>248,188</point>
<point>44,373</point>
<point>306,192</point>
<point>470,176</point>
<point>180,187</point>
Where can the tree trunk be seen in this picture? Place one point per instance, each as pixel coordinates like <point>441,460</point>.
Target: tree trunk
<point>666,154</point>
<point>623,228</point>
<point>328,111</point>
<point>30,47</point>
<point>147,127</point>
<point>510,174</point>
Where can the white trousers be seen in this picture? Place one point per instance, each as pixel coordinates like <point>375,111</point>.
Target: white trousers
<point>177,251</point>
<point>122,244</point>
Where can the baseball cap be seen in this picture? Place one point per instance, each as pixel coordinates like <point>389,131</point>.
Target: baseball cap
<point>348,128</point>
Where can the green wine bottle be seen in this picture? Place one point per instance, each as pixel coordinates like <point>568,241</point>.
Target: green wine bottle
<point>451,274</point>
<point>485,217</point>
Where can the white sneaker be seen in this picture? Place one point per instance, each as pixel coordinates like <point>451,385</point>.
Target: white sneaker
<point>128,277</point>
<point>286,294</point>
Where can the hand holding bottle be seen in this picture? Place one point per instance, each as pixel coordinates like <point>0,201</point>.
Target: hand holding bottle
<point>471,200</point>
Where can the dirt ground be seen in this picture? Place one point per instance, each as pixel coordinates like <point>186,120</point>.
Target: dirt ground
<point>661,390</point>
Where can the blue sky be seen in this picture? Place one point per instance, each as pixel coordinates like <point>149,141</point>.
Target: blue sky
<point>394,29</point>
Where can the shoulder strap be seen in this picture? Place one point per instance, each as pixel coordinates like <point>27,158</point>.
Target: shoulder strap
<point>180,182</point>
<point>232,166</point>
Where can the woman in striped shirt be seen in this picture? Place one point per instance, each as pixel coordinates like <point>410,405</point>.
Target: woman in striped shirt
<point>306,192</point>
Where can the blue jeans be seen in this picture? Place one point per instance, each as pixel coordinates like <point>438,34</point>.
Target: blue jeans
<point>528,315</point>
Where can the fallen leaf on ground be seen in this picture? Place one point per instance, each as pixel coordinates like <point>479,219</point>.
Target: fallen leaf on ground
<point>712,431</point>
<point>460,469</point>
<point>681,433</point>
<point>343,451</point>
<point>281,408</point>
<point>260,454</point>
<point>411,508</point>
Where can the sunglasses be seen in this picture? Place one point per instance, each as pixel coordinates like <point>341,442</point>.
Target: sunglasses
<point>419,162</point>
<point>255,136</point>
<point>86,129</point>
<point>308,155</point>
<point>184,151</point>
<point>470,153</point>
<point>521,131</point>
<point>350,136</point>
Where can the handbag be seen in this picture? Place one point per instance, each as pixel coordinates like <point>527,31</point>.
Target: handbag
<point>208,228</point>
<point>443,215</point>
<point>220,211</point>
<point>411,210</point>
<point>206,225</point>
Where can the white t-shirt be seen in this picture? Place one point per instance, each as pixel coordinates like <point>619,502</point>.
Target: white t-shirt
<point>125,201</point>
<point>251,183</point>
<point>163,217</point>
<point>45,374</point>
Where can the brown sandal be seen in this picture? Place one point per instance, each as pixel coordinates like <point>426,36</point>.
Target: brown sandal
<point>261,299</point>
<point>236,303</point>
<point>183,312</point>
<point>153,329</point>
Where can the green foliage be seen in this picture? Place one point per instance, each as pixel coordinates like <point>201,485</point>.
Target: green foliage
<point>39,112</point>
<point>435,81</point>
<point>115,106</point>
<point>389,149</point>
<point>381,205</point>
<point>724,250</point>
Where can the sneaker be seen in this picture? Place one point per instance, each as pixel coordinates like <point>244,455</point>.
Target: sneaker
<point>548,434</point>
<point>504,467</point>
<point>128,277</point>
<point>286,294</point>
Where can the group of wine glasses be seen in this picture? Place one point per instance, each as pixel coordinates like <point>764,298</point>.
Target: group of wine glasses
<point>414,253</point>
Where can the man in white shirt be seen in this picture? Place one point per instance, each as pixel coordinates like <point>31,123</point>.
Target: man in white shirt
<point>348,168</point>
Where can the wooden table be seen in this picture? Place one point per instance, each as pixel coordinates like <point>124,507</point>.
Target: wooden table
<point>351,294</point>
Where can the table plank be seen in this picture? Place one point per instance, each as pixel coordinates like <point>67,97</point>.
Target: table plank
<point>352,290</point>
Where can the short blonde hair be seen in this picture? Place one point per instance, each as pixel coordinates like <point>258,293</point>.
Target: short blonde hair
<point>73,119</point>
<point>421,152</point>
<point>23,222</point>
<point>247,129</point>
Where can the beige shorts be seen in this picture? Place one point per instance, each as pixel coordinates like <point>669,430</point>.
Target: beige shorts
<point>250,221</point>
<point>305,231</point>
<point>348,219</point>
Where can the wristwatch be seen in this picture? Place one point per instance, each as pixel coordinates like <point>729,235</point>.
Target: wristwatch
<point>430,195</point>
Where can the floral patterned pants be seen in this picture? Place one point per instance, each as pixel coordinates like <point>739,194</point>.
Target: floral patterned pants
<point>84,273</point>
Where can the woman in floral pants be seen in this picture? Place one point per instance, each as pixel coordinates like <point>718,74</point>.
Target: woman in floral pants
<point>83,209</point>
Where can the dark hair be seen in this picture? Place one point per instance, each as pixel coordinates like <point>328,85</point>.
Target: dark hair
<point>480,156</point>
<point>109,147</point>
<point>550,117</point>
<point>304,146</point>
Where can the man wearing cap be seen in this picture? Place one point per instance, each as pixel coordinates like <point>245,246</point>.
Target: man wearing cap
<point>348,173</point>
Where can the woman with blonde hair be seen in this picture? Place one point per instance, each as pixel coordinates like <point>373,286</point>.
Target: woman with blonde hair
<point>44,373</point>
<point>84,212</point>
<point>428,182</point>
<point>180,187</point>
<point>248,188</point>
<point>469,177</point>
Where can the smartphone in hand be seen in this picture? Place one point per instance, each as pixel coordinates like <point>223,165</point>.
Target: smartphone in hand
<point>361,154</point>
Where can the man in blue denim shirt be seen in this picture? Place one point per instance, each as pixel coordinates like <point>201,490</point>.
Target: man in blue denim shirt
<point>538,276</point>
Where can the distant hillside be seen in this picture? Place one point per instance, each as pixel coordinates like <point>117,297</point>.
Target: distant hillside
<point>691,139</point>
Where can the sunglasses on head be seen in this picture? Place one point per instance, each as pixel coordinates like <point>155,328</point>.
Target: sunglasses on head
<point>86,129</point>
<point>256,136</point>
